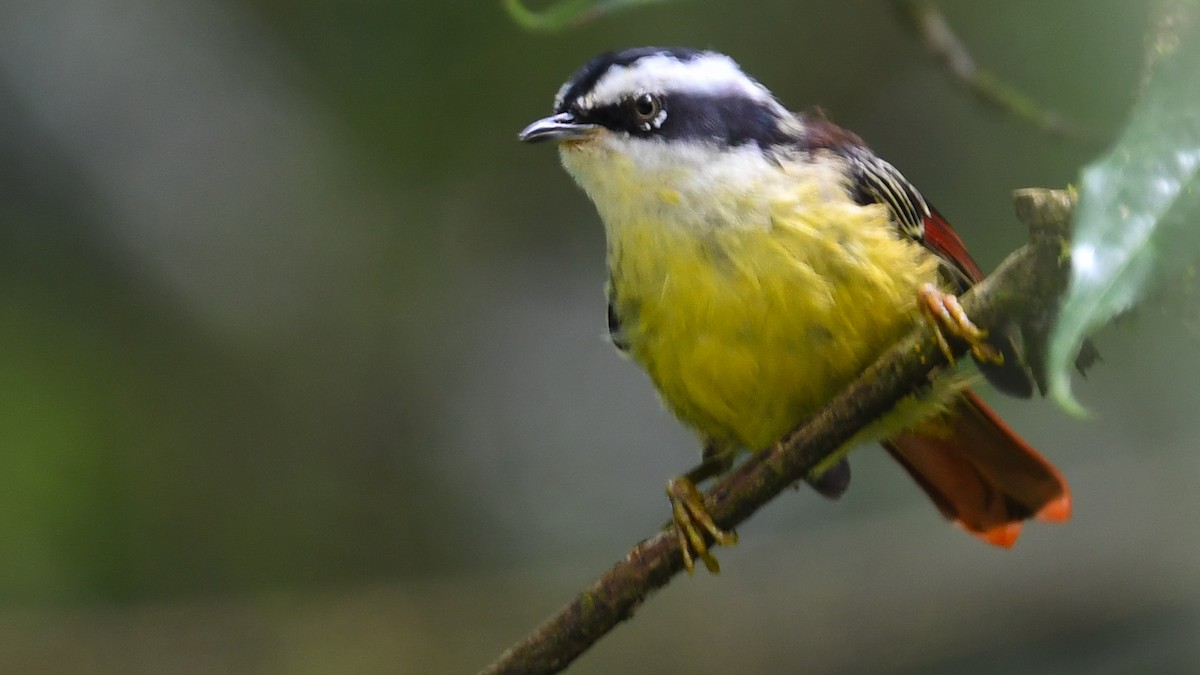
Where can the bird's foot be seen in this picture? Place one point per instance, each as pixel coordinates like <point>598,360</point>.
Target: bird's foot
<point>693,523</point>
<point>947,316</point>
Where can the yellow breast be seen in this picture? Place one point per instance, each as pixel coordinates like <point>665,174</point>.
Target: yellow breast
<point>746,330</point>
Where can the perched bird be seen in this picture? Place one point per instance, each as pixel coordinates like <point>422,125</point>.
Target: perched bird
<point>759,260</point>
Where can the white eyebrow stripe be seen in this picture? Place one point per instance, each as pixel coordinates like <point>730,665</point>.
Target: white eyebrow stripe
<point>708,74</point>
<point>562,94</point>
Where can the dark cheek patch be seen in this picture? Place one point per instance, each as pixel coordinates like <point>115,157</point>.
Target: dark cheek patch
<point>724,119</point>
<point>729,119</point>
<point>614,117</point>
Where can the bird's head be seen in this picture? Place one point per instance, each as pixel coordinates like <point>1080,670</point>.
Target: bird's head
<point>666,118</point>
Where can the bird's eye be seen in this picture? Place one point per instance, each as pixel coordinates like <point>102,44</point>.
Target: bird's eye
<point>645,108</point>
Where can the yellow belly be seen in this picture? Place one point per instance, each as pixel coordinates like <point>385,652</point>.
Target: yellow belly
<point>746,331</point>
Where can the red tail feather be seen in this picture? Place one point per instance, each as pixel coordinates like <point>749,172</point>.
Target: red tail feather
<point>981,475</point>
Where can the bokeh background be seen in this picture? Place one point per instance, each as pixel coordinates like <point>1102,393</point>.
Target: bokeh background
<point>303,370</point>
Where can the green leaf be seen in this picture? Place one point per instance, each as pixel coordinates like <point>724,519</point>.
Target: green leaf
<point>1138,220</point>
<point>567,13</point>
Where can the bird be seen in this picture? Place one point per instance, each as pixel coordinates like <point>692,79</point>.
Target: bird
<point>759,260</point>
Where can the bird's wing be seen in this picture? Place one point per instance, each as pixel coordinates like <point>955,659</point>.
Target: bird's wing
<point>873,180</point>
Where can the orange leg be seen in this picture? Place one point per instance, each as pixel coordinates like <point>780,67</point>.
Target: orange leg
<point>691,518</point>
<point>948,317</point>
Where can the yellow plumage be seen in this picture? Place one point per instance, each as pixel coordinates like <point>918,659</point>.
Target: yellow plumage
<point>750,324</point>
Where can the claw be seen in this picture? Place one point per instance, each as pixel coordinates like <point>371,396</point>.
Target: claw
<point>947,316</point>
<point>692,522</point>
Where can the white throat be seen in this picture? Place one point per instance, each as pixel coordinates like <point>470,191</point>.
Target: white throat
<point>693,185</point>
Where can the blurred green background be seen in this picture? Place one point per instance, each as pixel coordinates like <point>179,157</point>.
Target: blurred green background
<point>302,365</point>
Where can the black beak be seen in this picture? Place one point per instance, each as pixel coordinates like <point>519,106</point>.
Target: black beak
<point>560,127</point>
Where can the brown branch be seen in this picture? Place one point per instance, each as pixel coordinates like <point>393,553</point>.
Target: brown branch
<point>1027,283</point>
